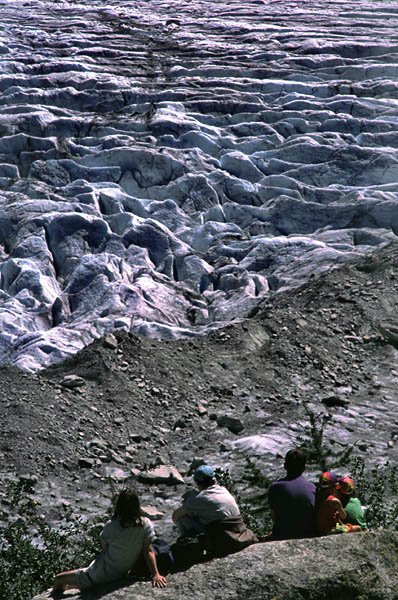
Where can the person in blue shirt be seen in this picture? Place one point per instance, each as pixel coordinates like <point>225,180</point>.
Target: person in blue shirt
<point>292,500</point>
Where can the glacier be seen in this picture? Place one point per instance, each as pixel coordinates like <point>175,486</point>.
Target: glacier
<point>165,167</point>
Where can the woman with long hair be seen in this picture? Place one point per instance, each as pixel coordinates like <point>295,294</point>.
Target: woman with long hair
<point>124,539</point>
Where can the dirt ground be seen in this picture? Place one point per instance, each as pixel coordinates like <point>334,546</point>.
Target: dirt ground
<point>330,346</point>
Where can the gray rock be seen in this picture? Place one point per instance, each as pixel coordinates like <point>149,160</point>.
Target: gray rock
<point>162,474</point>
<point>233,424</point>
<point>180,423</point>
<point>110,341</point>
<point>389,331</point>
<point>85,463</point>
<point>334,400</point>
<point>72,381</point>
<point>345,567</point>
<point>117,474</point>
<point>151,512</point>
<point>29,478</point>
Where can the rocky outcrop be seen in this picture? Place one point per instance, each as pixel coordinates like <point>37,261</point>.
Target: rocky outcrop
<point>358,566</point>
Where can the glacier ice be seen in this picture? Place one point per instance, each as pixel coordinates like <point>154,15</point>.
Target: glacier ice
<point>166,166</point>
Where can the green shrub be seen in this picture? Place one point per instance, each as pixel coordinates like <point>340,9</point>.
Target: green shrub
<point>257,504</point>
<point>377,489</point>
<point>322,452</point>
<point>31,551</point>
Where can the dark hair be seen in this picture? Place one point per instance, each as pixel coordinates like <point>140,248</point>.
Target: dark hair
<point>327,482</point>
<point>128,509</point>
<point>345,498</point>
<point>295,461</point>
<point>321,494</point>
<point>205,482</point>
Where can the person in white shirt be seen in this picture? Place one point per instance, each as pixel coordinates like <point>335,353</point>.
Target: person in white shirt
<point>124,539</point>
<point>213,502</point>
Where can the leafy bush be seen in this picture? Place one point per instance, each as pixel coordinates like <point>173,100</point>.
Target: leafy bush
<point>257,504</point>
<point>31,551</point>
<point>378,490</point>
<point>322,452</point>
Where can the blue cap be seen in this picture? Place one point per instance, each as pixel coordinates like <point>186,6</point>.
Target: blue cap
<point>203,473</point>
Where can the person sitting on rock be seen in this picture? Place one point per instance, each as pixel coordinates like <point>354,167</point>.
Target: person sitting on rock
<point>213,511</point>
<point>292,500</point>
<point>124,540</point>
<point>330,513</point>
<point>351,504</point>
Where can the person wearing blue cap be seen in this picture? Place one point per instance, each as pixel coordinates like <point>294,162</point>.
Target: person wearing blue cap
<point>213,511</point>
<point>211,503</point>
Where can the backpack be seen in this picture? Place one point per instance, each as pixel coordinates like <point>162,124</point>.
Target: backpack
<point>188,551</point>
<point>228,535</point>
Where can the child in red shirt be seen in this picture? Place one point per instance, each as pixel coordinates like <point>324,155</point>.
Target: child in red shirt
<point>329,510</point>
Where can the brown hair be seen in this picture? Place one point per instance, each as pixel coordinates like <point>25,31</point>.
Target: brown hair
<point>295,461</point>
<point>128,509</point>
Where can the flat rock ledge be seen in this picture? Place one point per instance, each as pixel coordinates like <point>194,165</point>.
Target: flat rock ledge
<point>359,566</point>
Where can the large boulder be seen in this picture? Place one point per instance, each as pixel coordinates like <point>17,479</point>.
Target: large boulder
<point>345,567</point>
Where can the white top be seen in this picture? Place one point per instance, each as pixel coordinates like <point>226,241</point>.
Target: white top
<point>212,504</point>
<point>123,547</point>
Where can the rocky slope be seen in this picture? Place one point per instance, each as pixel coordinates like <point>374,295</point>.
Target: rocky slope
<point>241,392</point>
<point>355,567</point>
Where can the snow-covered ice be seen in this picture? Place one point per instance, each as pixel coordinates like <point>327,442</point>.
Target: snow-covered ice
<point>165,166</point>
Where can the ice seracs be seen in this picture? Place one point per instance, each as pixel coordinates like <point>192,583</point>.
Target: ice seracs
<point>165,167</point>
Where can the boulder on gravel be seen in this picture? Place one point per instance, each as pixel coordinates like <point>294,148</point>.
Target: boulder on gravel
<point>162,474</point>
<point>232,423</point>
<point>72,381</point>
<point>152,512</point>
